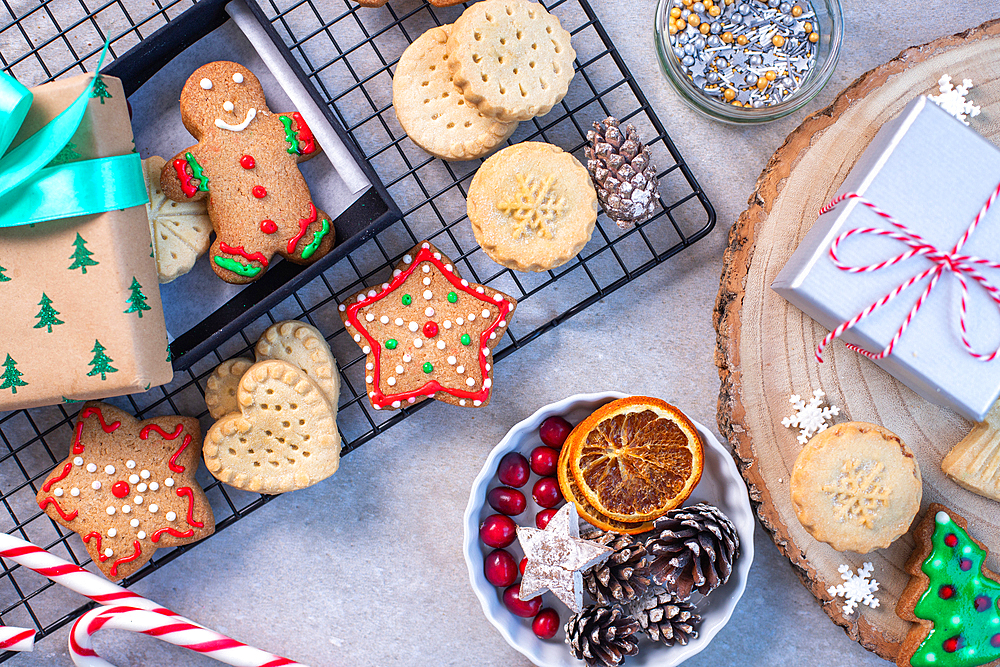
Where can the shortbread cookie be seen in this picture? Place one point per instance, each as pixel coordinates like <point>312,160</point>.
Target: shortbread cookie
<point>181,230</point>
<point>128,487</point>
<point>510,58</point>
<point>303,346</point>
<point>220,389</point>
<point>432,110</point>
<point>532,206</point>
<point>856,486</point>
<point>428,333</point>
<point>974,462</point>
<point>283,438</point>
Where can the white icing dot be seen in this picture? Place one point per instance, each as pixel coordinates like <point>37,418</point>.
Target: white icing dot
<point>465,283</point>
<point>477,403</point>
<point>942,517</point>
<point>480,290</point>
<point>418,343</point>
<point>78,461</point>
<point>399,370</point>
<point>369,317</point>
<point>154,508</point>
<point>498,298</point>
<point>91,467</point>
<point>437,255</point>
<point>169,481</point>
<point>411,400</point>
<point>413,326</point>
<point>472,317</point>
<point>228,106</point>
<point>396,272</point>
<point>130,464</point>
<point>447,324</point>
<point>487,383</point>
<point>370,366</point>
<point>57,492</point>
<point>369,379</point>
<point>429,312</point>
<point>206,84</point>
<point>428,294</point>
<point>74,492</point>
<point>452,360</point>
<point>141,534</point>
<point>486,351</point>
<point>357,338</point>
<point>153,486</point>
<point>398,322</point>
<point>376,405</point>
<point>407,358</point>
<point>385,285</point>
<point>503,323</point>
<point>460,369</point>
<point>109,552</point>
<point>384,319</point>
<point>126,509</point>
<point>493,335</point>
<point>96,486</point>
<point>459,321</point>
<point>111,511</point>
<point>391,382</point>
<point>238,78</point>
<point>486,313</point>
<point>440,345</point>
<point>361,298</point>
<point>348,324</point>
<point>448,268</point>
<point>109,469</point>
<point>396,404</point>
<point>426,268</point>
<point>366,349</point>
<point>425,246</point>
<point>487,368</point>
<point>342,307</point>
<point>427,281</point>
<point>144,474</point>
<point>137,500</point>
<point>372,292</point>
<point>134,523</point>
<point>141,488</point>
<point>171,516</point>
<point>461,401</point>
<point>133,479</point>
<point>112,532</point>
<point>407,259</point>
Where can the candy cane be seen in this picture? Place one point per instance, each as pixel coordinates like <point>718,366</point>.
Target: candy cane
<point>175,630</point>
<point>16,639</point>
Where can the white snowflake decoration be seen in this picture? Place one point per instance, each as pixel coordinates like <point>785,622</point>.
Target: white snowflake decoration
<point>952,98</point>
<point>809,417</point>
<point>856,588</point>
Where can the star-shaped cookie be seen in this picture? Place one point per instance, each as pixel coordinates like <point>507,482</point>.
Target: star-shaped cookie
<point>557,558</point>
<point>127,487</point>
<point>428,333</point>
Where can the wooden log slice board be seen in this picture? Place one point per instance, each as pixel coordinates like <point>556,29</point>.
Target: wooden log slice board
<point>765,346</point>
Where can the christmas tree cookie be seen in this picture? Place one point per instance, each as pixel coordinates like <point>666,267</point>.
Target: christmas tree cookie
<point>951,599</point>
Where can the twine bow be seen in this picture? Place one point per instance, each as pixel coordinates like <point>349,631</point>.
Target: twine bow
<point>941,261</point>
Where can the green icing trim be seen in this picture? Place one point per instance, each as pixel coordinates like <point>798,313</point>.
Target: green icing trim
<point>197,171</point>
<point>308,251</point>
<point>230,264</point>
<point>292,137</point>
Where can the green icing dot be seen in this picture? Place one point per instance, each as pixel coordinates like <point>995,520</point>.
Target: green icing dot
<point>407,299</point>
<point>391,344</point>
<point>452,297</point>
<point>466,340</point>
<point>428,367</point>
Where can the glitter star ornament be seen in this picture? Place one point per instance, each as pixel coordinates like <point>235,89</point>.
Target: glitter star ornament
<point>557,558</point>
<point>428,333</point>
<point>128,487</point>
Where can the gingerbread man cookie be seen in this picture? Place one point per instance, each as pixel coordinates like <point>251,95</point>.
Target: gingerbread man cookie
<point>128,488</point>
<point>246,164</point>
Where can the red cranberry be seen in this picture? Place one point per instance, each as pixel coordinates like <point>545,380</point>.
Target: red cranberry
<point>506,500</point>
<point>546,492</point>
<point>498,531</point>
<point>524,564</point>
<point>554,430</point>
<point>546,624</point>
<point>500,568</point>
<point>513,470</point>
<point>544,460</point>
<point>542,518</point>
<point>519,607</point>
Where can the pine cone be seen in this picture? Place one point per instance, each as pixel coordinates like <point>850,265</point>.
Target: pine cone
<point>602,636</point>
<point>623,172</point>
<point>693,548</point>
<point>663,618</point>
<point>623,575</point>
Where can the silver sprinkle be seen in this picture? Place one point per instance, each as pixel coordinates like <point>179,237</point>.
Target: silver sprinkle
<point>687,61</point>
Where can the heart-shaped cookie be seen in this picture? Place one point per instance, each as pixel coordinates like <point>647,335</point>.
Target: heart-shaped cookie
<point>303,346</point>
<point>283,438</point>
<point>220,389</point>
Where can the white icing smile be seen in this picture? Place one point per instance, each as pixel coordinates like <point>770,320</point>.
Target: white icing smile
<point>251,114</point>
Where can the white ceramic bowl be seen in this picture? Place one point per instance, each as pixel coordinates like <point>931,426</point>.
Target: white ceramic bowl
<point>721,485</point>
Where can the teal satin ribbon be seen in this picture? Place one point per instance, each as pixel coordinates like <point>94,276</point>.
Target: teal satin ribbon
<point>31,192</point>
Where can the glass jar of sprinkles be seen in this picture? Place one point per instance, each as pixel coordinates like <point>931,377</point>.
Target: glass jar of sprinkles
<point>748,61</point>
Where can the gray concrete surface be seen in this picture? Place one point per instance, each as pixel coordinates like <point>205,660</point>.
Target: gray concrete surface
<point>367,568</point>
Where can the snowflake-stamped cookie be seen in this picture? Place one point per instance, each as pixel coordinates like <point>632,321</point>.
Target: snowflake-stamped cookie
<point>856,486</point>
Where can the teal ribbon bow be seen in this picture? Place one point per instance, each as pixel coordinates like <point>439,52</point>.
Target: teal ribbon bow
<point>32,192</point>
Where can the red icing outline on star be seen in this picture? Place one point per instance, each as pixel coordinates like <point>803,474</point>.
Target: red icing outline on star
<point>426,254</point>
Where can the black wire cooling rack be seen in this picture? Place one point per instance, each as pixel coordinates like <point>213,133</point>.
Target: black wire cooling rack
<point>349,54</point>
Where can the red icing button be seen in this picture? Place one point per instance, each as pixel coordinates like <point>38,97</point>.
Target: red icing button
<point>995,641</point>
<point>268,226</point>
<point>431,329</point>
<point>259,191</point>
<point>951,539</point>
<point>952,644</point>
<point>946,592</point>
<point>120,489</point>
<point>247,162</point>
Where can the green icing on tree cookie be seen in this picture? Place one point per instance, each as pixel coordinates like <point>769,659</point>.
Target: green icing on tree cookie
<point>101,362</point>
<point>47,314</point>
<point>137,300</point>
<point>11,376</point>
<point>960,601</point>
<point>4,278</point>
<point>81,256</point>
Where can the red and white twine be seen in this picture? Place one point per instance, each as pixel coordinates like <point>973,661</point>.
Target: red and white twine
<point>952,261</point>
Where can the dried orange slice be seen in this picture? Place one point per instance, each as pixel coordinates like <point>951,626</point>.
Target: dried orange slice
<point>635,459</point>
<point>571,492</point>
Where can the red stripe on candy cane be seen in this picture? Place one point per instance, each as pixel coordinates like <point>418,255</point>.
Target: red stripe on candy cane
<point>16,639</point>
<point>961,266</point>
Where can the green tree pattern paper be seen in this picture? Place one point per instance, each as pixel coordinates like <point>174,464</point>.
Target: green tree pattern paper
<point>11,376</point>
<point>4,278</point>
<point>47,314</point>
<point>81,256</point>
<point>101,362</point>
<point>136,300</point>
<point>100,89</point>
